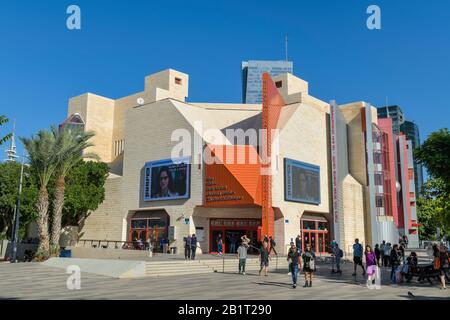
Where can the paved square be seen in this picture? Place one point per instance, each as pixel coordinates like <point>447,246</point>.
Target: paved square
<point>35,281</point>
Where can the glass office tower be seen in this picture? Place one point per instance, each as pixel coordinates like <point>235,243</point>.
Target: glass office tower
<point>252,77</point>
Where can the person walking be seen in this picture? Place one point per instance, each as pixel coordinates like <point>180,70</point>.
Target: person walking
<point>378,254</point>
<point>187,247</point>
<point>272,245</point>
<point>193,246</point>
<point>395,261</point>
<point>219,244</point>
<point>337,254</point>
<point>298,244</point>
<point>387,254</point>
<point>233,241</point>
<point>357,257</point>
<point>294,261</point>
<point>405,240</point>
<point>266,239</point>
<point>242,256</point>
<point>382,246</point>
<point>371,265</point>
<point>309,265</point>
<point>264,258</point>
<point>441,263</point>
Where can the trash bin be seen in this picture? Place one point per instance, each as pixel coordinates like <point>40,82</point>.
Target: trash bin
<point>173,250</point>
<point>65,253</point>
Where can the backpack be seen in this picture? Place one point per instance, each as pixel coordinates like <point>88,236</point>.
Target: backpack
<point>341,253</point>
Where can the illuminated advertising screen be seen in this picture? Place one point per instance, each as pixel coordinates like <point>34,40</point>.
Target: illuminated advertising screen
<point>167,179</point>
<point>301,182</point>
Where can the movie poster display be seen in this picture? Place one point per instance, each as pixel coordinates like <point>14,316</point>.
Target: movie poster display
<point>167,179</point>
<point>301,182</point>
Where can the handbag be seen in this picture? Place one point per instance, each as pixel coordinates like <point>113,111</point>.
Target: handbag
<point>437,263</point>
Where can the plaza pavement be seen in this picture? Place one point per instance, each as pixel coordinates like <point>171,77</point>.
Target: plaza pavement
<point>36,281</point>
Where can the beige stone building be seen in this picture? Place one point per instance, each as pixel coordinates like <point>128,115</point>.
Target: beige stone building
<point>319,183</point>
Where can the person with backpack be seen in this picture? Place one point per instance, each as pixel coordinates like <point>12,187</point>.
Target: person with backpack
<point>357,257</point>
<point>193,246</point>
<point>187,247</point>
<point>395,260</point>
<point>294,260</point>
<point>337,254</point>
<point>309,265</point>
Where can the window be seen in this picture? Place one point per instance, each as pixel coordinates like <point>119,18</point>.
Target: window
<point>311,225</point>
<point>410,174</point>
<point>377,158</point>
<point>379,201</point>
<point>178,81</point>
<point>378,179</point>
<point>279,84</point>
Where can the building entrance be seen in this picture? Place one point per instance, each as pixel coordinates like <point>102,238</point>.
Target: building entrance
<point>149,228</point>
<point>315,232</point>
<point>231,231</point>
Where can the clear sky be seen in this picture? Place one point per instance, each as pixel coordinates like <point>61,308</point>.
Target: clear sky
<point>43,64</point>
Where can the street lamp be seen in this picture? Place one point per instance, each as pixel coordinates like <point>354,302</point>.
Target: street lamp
<point>17,215</point>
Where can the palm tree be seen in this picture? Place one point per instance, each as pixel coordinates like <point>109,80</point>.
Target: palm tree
<point>41,155</point>
<point>4,120</point>
<point>69,151</point>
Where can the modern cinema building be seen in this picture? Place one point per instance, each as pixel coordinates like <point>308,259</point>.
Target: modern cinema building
<point>293,165</point>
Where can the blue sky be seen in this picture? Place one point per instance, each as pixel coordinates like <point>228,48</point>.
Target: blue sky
<point>43,64</point>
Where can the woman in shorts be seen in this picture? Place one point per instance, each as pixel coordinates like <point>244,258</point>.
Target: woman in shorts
<point>309,265</point>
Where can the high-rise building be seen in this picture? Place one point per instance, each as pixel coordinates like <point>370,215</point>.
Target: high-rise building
<point>395,113</point>
<point>252,71</point>
<point>411,130</point>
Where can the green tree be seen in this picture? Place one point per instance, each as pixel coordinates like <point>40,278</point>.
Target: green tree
<point>69,151</point>
<point>4,120</point>
<point>434,154</point>
<point>84,192</point>
<point>433,210</point>
<point>434,205</point>
<point>9,185</point>
<point>41,154</point>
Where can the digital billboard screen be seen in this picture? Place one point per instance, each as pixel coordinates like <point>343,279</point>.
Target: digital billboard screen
<point>301,182</point>
<point>167,179</point>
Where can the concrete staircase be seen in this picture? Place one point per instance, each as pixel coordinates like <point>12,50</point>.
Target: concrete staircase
<point>182,267</point>
<point>177,267</point>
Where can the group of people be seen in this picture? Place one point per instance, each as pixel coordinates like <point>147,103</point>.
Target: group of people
<point>190,247</point>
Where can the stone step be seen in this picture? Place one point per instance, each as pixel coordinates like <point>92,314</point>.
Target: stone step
<point>178,272</point>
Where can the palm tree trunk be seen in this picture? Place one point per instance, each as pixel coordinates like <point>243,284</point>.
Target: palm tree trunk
<point>58,203</point>
<point>42,220</point>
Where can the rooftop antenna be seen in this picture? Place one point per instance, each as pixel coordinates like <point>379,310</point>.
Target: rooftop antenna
<point>286,46</point>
